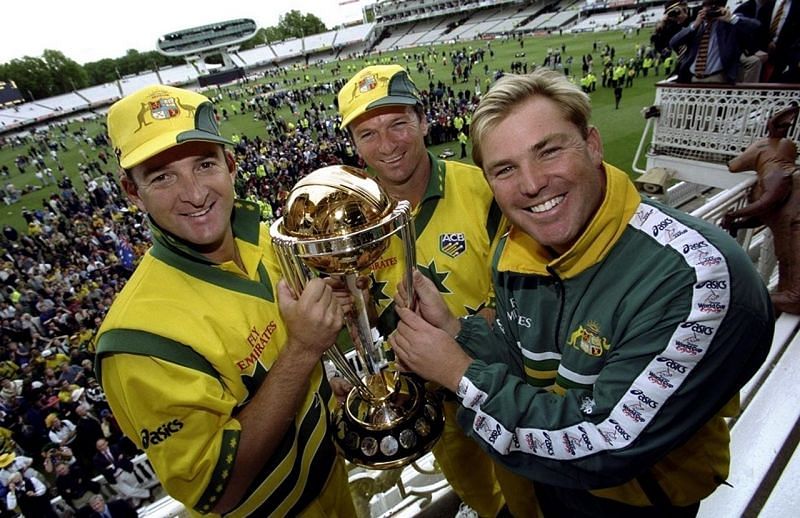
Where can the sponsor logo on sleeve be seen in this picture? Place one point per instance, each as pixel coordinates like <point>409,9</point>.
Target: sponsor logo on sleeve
<point>672,364</point>
<point>673,233</point>
<point>476,400</point>
<point>634,412</point>
<point>661,226</point>
<point>610,435</point>
<point>689,345</point>
<point>494,434</point>
<point>642,214</point>
<point>160,434</point>
<point>644,398</point>
<point>661,378</point>
<point>698,328</point>
<point>710,302</point>
<point>548,444</point>
<point>575,442</point>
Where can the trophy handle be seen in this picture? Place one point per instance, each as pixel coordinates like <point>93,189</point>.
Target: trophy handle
<point>409,238</point>
<point>297,275</point>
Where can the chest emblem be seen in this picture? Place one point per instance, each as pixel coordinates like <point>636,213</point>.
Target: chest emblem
<point>587,339</point>
<point>452,244</point>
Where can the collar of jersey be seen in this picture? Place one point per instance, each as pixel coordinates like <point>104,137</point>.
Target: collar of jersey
<point>523,254</point>
<point>244,220</point>
<point>435,188</point>
<point>434,191</point>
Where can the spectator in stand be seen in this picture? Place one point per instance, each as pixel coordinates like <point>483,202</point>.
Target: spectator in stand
<point>54,454</point>
<point>71,373</point>
<point>778,40</point>
<point>95,397</point>
<point>61,431</point>
<point>53,358</point>
<point>114,509</point>
<point>87,432</point>
<point>675,18</point>
<point>715,41</point>
<point>30,495</point>
<point>11,463</point>
<point>50,379</point>
<point>75,486</point>
<point>118,470</point>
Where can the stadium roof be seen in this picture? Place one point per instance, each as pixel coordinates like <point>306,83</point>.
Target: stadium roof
<point>210,37</point>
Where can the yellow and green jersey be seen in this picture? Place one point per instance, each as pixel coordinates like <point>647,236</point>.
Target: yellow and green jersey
<point>184,347</point>
<point>457,224</point>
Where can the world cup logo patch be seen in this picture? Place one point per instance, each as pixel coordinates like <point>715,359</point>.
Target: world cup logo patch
<point>453,244</point>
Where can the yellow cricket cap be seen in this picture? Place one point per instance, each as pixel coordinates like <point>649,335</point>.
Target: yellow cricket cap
<point>6,459</point>
<point>156,118</point>
<point>375,86</point>
<point>50,420</point>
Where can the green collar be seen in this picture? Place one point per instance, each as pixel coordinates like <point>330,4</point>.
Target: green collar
<point>433,193</point>
<point>244,220</point>
<point>179,254</point>
<point>522,254</point>
<point>435,187</point>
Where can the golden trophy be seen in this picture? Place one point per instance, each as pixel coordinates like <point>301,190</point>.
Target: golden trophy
<point>337,222</point>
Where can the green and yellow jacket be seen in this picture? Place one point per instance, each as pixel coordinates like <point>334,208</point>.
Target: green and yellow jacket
<point>611,367</point>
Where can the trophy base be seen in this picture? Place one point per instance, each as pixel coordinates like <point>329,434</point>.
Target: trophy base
<point>392,432</point>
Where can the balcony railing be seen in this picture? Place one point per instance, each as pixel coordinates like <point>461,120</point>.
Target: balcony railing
<point>698,129</point>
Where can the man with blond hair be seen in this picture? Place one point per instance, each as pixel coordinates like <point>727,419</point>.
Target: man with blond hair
<point>624,330</point>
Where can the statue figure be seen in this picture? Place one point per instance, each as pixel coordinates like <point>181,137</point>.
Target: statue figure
<point>775,202</point>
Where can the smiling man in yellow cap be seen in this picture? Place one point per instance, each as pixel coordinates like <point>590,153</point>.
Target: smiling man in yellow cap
<point>185,349</point>
<point>457,224</point>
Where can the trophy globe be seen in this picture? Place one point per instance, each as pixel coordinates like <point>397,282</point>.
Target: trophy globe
<point>338,222</point>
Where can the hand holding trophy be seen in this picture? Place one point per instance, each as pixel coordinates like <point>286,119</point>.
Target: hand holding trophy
<point>338,222</point>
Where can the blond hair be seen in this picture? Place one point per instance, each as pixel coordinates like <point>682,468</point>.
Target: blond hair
<point>513,89</point>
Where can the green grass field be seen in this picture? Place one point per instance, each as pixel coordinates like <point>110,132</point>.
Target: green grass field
<point>621,129</point>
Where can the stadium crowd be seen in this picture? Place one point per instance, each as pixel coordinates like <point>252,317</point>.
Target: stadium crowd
<point>60,277</point>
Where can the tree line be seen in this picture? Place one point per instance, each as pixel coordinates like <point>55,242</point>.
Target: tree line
<point>53,73</point>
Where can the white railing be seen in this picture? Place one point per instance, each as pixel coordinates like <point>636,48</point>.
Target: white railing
<point>698,129</point>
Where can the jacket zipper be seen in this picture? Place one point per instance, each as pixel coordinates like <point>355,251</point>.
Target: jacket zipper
<point>561,296</point>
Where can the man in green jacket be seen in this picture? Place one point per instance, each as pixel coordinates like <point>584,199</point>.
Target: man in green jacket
<point>624,329</point>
